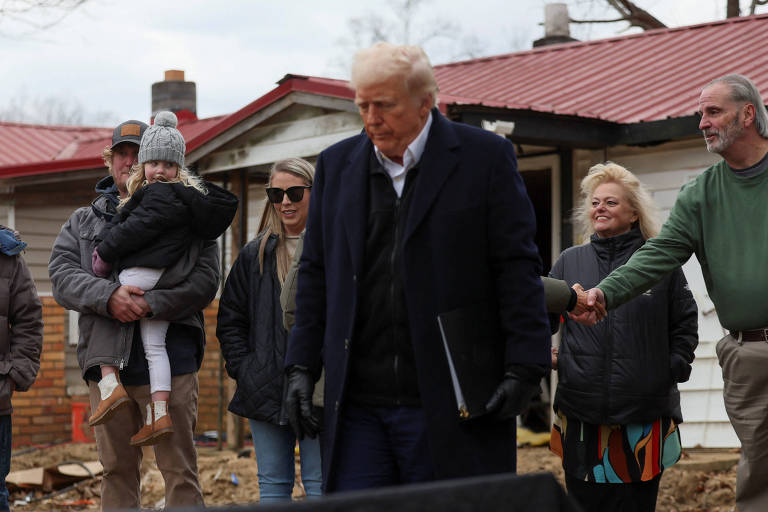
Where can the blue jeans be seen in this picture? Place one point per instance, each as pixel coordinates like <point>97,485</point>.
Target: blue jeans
<point>274,446</point>
<point>5,458</point>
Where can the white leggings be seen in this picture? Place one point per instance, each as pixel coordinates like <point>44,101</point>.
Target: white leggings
<point>152,331</point>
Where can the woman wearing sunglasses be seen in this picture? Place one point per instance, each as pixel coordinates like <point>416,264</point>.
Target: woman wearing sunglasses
<point>252,337</point>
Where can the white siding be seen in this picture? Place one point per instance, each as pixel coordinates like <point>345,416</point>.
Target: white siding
<point>7,214</point>
<point>39,226</point>
<point>294,136</point>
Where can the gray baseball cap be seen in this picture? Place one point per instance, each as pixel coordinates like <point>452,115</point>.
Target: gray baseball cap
<point>128,131</point>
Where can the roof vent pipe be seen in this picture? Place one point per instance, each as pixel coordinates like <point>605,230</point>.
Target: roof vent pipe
<point>556,29</point>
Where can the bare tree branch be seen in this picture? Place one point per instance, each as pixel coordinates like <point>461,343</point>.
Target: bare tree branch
<point>631,13</point>
<point>54,109</point>
<point>571,20</point>
<point>755,3</point>
<point>438,29</point>
<point>403,23</point>
<point>38,14</point>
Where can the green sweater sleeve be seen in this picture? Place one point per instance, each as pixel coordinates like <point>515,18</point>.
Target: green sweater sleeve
<point>660,255</point>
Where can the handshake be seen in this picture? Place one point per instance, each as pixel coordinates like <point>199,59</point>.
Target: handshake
<point>590,305</point>
<point>589,309</point>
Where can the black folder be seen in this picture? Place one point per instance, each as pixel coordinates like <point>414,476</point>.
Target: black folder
<point>475,350</point>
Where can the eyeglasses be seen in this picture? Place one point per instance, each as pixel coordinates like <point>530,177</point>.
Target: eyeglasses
<point>295,194</point>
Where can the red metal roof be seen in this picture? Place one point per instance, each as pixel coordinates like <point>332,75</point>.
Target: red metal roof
<point>27,150</point>
<point>23,143</point>
<point>650,76</point>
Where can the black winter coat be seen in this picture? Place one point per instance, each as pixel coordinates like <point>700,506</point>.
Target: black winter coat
<point>21,323</point>
<point>155,227</point>
<point>251,333</point>
<point>467,243</point>
<point>625,368</point>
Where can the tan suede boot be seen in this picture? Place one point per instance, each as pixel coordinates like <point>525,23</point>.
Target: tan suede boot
<point>153,432</point>
<point>144,434</point>
<point>109,405</point>
<point>162,428</point>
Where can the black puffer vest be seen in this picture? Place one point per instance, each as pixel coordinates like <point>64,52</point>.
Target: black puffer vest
<point>619,370</point>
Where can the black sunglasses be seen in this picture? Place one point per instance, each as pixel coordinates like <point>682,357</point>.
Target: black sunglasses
<point>295,194</point>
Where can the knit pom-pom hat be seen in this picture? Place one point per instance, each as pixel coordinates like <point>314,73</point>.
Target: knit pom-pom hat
<point>162,141</point>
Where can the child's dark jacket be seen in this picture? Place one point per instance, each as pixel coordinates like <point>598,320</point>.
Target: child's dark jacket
<point>157,224</point>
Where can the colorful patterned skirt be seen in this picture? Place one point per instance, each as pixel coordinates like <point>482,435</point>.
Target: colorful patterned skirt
<point>615,453</point>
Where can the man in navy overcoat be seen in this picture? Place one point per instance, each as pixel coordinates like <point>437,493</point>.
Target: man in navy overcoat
<point>416,218</point>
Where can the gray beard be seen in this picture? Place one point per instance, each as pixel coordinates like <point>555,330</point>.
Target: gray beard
<point>725,137</point>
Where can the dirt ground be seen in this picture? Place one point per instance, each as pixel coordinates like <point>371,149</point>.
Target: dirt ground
<point>701,481</point>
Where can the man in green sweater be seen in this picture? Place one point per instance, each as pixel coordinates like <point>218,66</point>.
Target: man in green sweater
<point>721,217</point>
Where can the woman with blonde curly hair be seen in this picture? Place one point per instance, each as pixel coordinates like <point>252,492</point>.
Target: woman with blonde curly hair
<point>636,194</point>
<point>617,404</point>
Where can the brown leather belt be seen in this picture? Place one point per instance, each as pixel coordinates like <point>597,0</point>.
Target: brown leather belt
<point>753,335</point>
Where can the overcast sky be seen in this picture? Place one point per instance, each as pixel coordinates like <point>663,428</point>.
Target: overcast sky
<point>106,54</point>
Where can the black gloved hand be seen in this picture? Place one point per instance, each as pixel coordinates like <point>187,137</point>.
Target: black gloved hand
<point>511,397</point>
<point>514,394</point>
<point>679,368</point>
<point>298,402</point>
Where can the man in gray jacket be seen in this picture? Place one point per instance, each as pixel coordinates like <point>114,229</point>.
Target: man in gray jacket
<point>107,307</point>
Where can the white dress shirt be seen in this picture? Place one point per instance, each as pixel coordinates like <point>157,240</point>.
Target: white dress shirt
<point>411,157</point>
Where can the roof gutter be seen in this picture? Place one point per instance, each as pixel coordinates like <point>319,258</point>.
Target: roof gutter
<point>51,166</point>
<point>546,129</point>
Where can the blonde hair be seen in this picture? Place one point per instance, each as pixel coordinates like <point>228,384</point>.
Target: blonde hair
<point>635,192</point>
<point>106,154</point>
<point>138,179</point>
<point>271,223</point>
<point>383,61</point>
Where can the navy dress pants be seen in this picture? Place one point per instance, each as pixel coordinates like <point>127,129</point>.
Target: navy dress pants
<point>381,446</point>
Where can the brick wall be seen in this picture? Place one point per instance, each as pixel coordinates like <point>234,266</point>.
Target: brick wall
<point>208,401</point>
<point>43,415</point>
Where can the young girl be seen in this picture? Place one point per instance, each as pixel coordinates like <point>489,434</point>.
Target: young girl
<point>167,210</point>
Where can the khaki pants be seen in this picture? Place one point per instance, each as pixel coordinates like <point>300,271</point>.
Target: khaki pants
<point>176,455</point>
<point>746,401</point>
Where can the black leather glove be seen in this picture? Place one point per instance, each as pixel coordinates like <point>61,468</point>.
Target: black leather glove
<point>514,394</point>
<point>298,402</point>
<point>679,368</point>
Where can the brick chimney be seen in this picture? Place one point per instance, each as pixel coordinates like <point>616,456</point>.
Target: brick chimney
<point>556,29</point>
<point>176,95</point>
